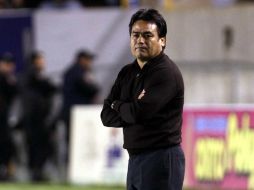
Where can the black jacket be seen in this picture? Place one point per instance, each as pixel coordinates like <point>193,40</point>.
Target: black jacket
<point>76,90</point>
<point>148,104</point>
<point>8,91</point>
<point>37,94</point>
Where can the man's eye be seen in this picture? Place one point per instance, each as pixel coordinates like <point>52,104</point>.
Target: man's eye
<point>135,35</point>
<point>148,35</point>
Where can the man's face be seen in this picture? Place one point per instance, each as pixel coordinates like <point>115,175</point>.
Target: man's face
<point>7,67</point>
<point>39,63</point>
<point>145,42</point>
<point>86,62</point>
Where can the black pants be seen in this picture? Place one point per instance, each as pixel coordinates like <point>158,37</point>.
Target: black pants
<point>161,169</point>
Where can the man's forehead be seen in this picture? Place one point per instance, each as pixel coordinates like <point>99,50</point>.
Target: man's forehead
<point>144,26</point>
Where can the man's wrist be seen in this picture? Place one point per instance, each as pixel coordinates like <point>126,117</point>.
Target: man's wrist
<point>113,104</point>
<point>116,104</point>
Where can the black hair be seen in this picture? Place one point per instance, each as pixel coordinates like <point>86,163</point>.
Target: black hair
<point>7,57</point>
<point>84,54</point>
<point>33,56</point>
<point>150,15</point>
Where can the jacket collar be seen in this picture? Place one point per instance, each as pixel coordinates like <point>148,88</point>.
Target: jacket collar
<point>151,62</point>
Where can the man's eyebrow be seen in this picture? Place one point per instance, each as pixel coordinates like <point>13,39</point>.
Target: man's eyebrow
<point>145,32</point>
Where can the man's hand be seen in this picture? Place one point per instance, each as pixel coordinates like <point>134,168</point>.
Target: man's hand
<point>115,105</point>
<point>141,94</point>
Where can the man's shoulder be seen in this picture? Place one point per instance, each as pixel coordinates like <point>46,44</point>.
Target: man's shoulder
<point>165,69</point>
<point>173,70</point>
<point>127,68</point>
<point>169,64</point>
<point>166,59</point>
<point>73,70</point>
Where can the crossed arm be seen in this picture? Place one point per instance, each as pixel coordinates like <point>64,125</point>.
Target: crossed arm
<point>160,89</point>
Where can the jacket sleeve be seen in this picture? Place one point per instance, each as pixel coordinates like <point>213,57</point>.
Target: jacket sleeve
<point>160,89</point>
<point>110,117</point>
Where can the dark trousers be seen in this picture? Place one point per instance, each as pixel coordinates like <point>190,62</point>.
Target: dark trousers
<point>161,169</point>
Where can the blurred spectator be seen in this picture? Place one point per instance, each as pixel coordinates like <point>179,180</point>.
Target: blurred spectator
<point>32,3</point>
<point>78,4</point>
<point>245,1</point>
<point>8,90</point>
<point>61,4</point>
<point>130,3</point>
<point>16,4</point>
<point>37,96</point>
<point>79,87</point>
<point>92,3</point>
<point>151,3</point>
<point>3,4</point>
<point>113,2</point>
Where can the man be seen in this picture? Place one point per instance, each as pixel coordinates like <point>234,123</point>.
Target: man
<point>79,87</point>
<point>37,93</point>
<point>147,101</point>
<point>8,90</point>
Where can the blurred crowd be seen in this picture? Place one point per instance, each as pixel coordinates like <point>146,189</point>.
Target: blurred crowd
<point>30,95</point>
<point>79,4</point>
<point>70,4</point>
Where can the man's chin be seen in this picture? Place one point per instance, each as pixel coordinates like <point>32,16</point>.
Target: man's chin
<point>142,57</point>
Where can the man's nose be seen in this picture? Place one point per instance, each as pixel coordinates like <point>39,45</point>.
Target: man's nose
<point>140,39</point>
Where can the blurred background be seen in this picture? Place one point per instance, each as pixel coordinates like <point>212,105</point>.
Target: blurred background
<point>59,58</point>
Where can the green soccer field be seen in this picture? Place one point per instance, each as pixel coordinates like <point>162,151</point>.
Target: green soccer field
<point>54,187</point>
<point>17,186</point>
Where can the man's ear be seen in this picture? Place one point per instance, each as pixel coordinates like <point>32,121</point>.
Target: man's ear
<point>163,42</point>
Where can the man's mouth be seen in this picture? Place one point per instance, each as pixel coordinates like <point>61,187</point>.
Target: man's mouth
<point>141,48</point>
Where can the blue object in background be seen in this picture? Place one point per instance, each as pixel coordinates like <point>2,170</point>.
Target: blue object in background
<point>16,35</point>
<point>211,124</point>
<point>133,3</point>
<point>114,153</point>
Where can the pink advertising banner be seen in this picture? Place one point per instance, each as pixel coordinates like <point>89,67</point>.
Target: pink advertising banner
<point>219,147</point>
